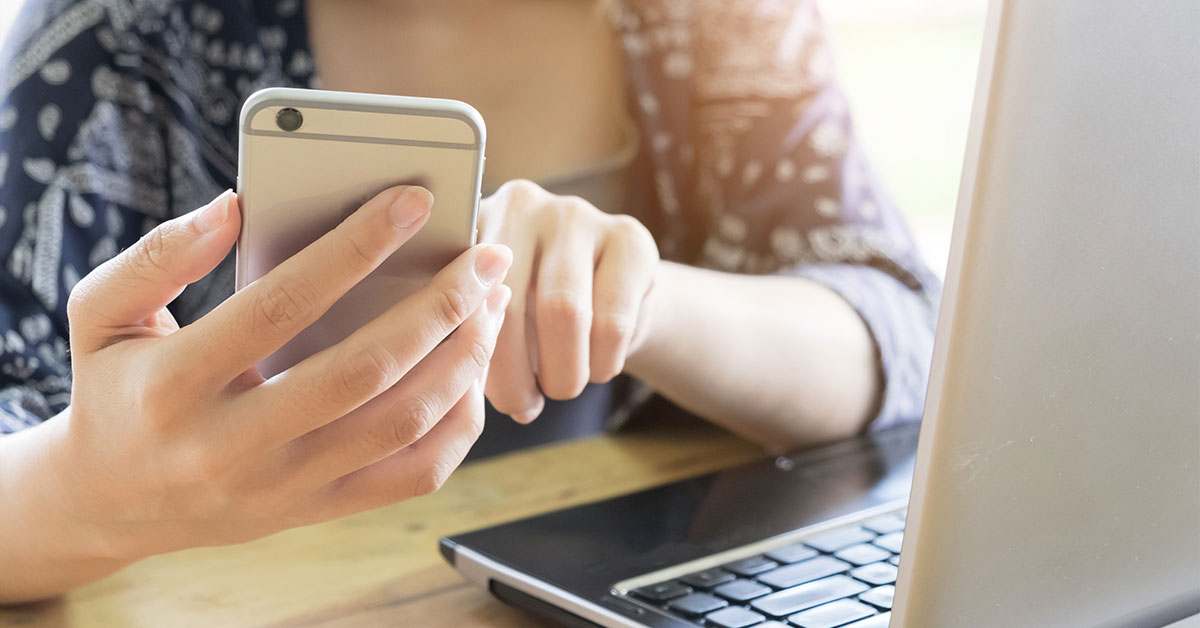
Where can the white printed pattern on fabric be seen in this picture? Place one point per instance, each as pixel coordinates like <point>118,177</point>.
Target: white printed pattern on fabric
<point>151,144</point>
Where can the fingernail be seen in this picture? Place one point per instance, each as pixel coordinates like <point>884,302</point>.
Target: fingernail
<point>492,263</point>
<point>212,216</point>
<point>498,300</point>
<point>410,206</point>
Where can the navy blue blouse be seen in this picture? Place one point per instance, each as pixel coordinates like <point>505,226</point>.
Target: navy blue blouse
<point>118,114</point>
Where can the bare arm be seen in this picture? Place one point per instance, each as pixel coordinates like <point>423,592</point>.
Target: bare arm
<point>45,548</point>
<point>780,360</point>
<point>807,356</point>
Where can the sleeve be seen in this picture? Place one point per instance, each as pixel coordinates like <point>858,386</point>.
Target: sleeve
<point>80,179</point>
<point>758,169</point>
<point>901,321</point>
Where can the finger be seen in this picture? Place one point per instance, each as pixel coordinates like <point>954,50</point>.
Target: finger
<point>338,379</point>
<point>261,318</point>
<point>624,274</point>
<point>511,385</point>
<point>133,287</point>
<point>407,411</point>
<point>564,311</point>
<point>416,470</point>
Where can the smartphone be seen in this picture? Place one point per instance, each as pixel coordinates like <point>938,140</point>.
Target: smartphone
<point>308,159</point>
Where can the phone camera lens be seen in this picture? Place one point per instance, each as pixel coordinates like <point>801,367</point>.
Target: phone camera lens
<point>289,119</point>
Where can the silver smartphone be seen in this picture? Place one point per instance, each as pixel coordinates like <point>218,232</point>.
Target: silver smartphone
<point>309,158</point>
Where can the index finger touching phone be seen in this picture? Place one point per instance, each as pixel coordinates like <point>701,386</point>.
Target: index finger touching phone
<point>314,266</point>
<point>260,319</point>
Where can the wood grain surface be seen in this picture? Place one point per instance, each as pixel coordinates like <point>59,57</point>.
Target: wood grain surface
<point>382,568</point>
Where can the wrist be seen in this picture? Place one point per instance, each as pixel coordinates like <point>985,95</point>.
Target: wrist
<point>655,323</point>
<point>80,508</point>
<point>48,546</point>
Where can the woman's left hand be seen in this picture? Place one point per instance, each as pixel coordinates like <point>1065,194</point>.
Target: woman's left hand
<point>580,282</point>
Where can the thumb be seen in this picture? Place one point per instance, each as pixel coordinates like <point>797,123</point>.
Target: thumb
<point>143,279</point>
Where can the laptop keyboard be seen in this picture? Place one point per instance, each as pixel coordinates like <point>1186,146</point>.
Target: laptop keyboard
<point>841,578</point>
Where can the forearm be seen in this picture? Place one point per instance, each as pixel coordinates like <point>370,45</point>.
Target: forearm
<point>780,360</point>
<point>44,551</point>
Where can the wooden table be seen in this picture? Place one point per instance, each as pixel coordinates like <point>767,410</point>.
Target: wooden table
<point>382,568</point>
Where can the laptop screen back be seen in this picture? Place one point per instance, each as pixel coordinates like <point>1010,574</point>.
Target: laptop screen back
<point>1058,475</point>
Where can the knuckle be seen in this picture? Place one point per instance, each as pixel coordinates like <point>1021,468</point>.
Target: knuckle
<point>562,386</point>
<point>520,195</point>
<point>604,374</point>
<point>433,478</point>
<point>475,427</point>
<point>490,214</point>
<point>629,228</point>
<point>285,304</point>
<point>196,483</point>
<point>505,400</point>
<point>203,482</point>
<point>158,401</point>
<point>365,373</point>
<point>575,205</point>
<point>479,353</point>
<point>508,407</point>
<point>522,188</point>
<point>626,225</point>
<point>563,310</point>
<point>189,470</point>
<point>452,305</point>
<point>170,374</point>
<point>413,419</point>
<point>559,220</point>
<point>358,254</point>
<point>612,328</point>
<point>522,214</point>
<point>151,249</point>
<point>153,407</point>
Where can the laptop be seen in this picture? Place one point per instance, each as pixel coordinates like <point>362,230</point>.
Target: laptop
<point>1055,477</point>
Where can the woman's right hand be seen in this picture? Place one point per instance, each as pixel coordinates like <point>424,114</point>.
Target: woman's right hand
<point>174,440</point>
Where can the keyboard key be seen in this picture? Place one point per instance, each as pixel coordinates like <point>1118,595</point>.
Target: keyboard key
<point>697,604</point>
<point>835,540</point>
<point>880,596</point>
<point>876,574</point>
<point>805,596</point>
<point>742,590</point>
<point>832,614</point>
<point>799,573</point>
<point>793,553</point>
<point>895,560</point>
<point>861,554</point>
<point>732,617</point>
<point>707,579</point>
<point>884,524</point>
<point>878,621</point>
<point>749,566</point>
<point>662,591</point>
<point>891,542</point>
<point>772,624</point>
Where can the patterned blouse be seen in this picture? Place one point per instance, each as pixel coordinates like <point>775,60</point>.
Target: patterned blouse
<point>118,114</point>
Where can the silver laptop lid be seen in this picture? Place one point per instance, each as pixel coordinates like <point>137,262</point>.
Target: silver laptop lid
<point>1058,474</point>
